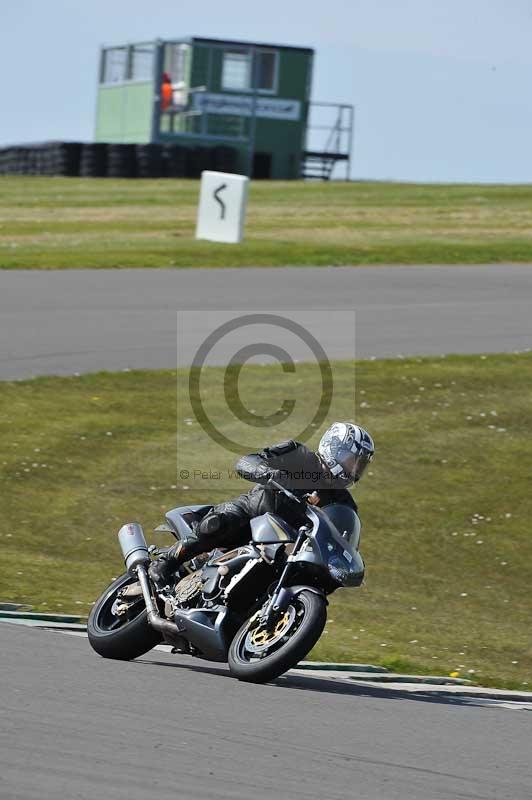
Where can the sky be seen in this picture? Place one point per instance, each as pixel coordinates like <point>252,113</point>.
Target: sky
<point>443,91</point>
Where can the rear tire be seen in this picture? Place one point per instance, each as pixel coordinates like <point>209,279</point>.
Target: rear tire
<point>131,638</point>
<point>312,611</point>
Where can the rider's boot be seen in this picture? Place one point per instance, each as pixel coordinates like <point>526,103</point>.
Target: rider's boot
<point>200,541</point>
<point>162,570</point>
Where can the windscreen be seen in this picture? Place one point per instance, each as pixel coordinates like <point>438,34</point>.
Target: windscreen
<point>346,521</point>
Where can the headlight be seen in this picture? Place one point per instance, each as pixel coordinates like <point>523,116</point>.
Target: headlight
<point>347,573</point>
<point>338,569</point>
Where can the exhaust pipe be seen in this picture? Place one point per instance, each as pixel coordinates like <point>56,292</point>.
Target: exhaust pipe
<point>136,557</point>
<point>167,628</point>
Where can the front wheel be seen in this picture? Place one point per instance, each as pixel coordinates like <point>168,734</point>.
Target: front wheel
<point>119,628</point>
<point>259,655</point>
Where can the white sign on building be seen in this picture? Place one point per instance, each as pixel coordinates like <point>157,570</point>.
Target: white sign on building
<point>241,105</point>
<point>222,207</point>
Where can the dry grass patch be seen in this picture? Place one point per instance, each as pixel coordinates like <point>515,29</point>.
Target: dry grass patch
<point>64,222</point>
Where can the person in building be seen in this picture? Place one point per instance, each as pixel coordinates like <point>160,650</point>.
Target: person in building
<point>167,92</point>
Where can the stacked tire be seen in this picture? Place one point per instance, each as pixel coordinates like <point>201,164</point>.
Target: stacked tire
<point>17,161</point>
<point>47,159</point>
<point>224,159</point>
<point>121,161</point>
<point>174,161</point>
<point>149,161</point>
<point>41,161</point>
<point>115,160</point>
<point>4,160</point>
<point>21,161</point>
<point>198,159</point>
<point>93,160</point>
<point>64,158</point>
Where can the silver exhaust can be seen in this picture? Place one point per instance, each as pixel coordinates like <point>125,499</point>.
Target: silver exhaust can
<point>133,544</point>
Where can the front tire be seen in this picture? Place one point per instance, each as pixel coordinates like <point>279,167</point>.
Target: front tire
<point>121,637</point>
<point>259,660</point>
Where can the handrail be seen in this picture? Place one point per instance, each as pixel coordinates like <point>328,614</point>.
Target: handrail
<point>338,143</point>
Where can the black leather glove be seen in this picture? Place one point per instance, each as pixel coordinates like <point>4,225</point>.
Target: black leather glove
<point>276,475</point>
<point>253,468</point>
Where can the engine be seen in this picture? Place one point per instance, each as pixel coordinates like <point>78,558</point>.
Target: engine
<point>188,589</point>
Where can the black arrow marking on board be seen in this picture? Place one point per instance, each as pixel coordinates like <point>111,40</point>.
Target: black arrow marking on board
<point>219,199</point>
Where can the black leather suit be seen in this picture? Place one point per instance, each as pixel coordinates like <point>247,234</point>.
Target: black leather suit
<point>289,463</point>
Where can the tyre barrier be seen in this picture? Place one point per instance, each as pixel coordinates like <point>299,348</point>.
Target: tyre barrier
<point>49,158</point>
<point>198,159</point>
<point>100,160</point>
<point>121,161</point>
<point>224,159</point>
<point>65,158</point>
<point>93,161</point>
<point>174,160</point>
<point>149,160</point>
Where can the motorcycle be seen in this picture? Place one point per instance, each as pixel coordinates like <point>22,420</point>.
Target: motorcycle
<point>260,608</point>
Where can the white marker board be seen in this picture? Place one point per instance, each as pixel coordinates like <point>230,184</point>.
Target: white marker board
<point>222,207</point>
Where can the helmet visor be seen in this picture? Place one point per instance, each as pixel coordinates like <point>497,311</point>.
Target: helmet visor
<point>353,464</point>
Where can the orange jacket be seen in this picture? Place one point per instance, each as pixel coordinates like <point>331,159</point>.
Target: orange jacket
<point>166,92</point>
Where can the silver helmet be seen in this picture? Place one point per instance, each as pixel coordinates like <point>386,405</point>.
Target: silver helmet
<point>346,449</point>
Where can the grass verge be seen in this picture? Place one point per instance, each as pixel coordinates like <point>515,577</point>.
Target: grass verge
<point>48,223</point>
<point>446,508</point>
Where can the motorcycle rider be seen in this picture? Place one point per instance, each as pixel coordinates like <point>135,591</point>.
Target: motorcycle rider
<point>343,454</point>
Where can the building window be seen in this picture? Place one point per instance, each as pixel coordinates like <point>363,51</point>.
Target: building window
<point>237,73</point>
<point>177,61</point>
<point>267,70</point>
<point>236,70</point>
<point>115,65</point>
<point>141,62</point>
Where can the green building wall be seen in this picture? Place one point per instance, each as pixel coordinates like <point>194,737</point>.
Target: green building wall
<point>124,113</point>
<point>284,139</point>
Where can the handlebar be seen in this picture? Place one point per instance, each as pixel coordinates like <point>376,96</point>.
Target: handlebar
<point>300,501</point>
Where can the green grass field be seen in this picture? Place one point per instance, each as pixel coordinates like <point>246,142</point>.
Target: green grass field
<point>48,223</point>
<point>446,508</point>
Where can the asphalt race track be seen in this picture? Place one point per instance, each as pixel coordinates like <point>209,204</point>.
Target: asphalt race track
<point>62,322</point>
<point>74,725</point>
<point>77,726</point>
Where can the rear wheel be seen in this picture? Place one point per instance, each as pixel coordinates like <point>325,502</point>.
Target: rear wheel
<point>118,626</point>
<point>259,654</point>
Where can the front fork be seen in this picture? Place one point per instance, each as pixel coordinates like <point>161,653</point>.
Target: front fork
<point>281,597</point>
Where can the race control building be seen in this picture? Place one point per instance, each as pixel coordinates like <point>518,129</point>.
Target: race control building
<point>252,99</point>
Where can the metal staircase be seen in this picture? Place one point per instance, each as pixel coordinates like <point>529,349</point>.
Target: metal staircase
<point>329,140</point>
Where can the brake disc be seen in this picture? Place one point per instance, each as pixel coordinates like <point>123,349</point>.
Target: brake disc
<point>261,639</point>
